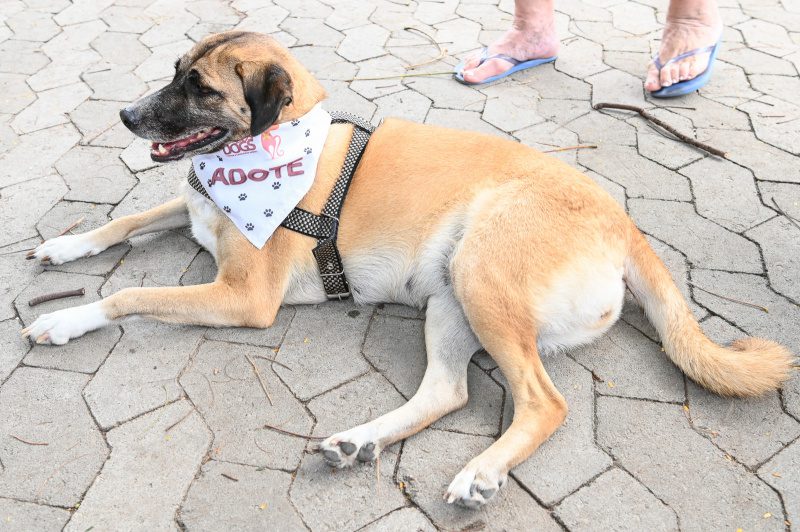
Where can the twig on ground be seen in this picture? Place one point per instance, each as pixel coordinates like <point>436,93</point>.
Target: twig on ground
<point>794,222</point>
<point>578,147</point>
<point>229,477</point>
<point>57,295</point>
<point>187,414</point>
<point>18,251</point>
<point>26,442</point>
<point>647,116</point>
<point>274,361</point>
<point>442,51</point>
<point>72,226</point>
<point>260,380</point>
<point>55,471</point>
<point>732,300</point>
<point>411,75</point>
<point>290,433</point>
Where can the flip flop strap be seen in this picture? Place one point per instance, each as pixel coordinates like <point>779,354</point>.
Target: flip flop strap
<point>659,65</point>
<point>486,57</point>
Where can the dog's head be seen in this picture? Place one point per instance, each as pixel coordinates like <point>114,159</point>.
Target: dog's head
<point>228,86</point>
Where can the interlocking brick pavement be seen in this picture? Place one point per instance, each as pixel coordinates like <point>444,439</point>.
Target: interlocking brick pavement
<point>160,426</point>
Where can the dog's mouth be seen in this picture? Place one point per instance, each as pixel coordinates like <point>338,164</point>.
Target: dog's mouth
<point>177,149</point>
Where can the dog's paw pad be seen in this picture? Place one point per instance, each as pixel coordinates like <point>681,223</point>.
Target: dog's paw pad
<point>342,450</point>
<point>473,490</point>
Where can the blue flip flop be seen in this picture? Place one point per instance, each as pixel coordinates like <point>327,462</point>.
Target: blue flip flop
<point>690,85</point>
<point>517,65</point>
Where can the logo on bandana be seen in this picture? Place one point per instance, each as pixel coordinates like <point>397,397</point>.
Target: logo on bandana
<point>257,181</point>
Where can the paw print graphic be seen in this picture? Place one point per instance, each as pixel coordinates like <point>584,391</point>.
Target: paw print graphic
<point>249,226</point>
<point>210,183</point>
<point>295,122</point>
<point>202,166</point>
<point>242,197</point>
<point>308,151</point>
<point>308,132</point>
<point>226,208</point>
<point>268,213</point>
<point>276,185</point>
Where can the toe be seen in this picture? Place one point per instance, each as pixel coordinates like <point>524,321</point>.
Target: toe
<point>487,70</point>
<point>653,81</point>
<point>685,71</point>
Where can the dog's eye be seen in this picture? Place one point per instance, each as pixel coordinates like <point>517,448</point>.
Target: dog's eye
<point>194,85</point>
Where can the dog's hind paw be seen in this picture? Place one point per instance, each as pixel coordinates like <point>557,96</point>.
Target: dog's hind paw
<point>472,489</point>
<point>345,448</point>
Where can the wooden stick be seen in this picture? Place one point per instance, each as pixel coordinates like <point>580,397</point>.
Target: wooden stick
<point>784,213</point>
<point>274,361</point>
<point>578,147</point>
<point>412,75</point>
<point>260,380</point>
<point>26,442</point>
<point>732,300</point>
<point>187,414</point>
<point>72,226</point>
<point>647,116</point>
<point>57,295</point>
<point>296,435</point>
<point>229,477</point>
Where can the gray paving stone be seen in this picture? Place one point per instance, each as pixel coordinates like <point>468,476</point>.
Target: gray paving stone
<point>632,62</point>
<point>213,11</point>
<point>161,64</point>
<point>706,113</point>
<point>363,42</point>
<point>726,194</point>
<point>616,191</point>
<point>156,186</point>
<point>81,11</point>
<point>352,13</point>
<point>378,67</point>
<point>266,19</point>
<point>553,84</point>
<point>63,215</point>
<point>402,519</point>
<point>126,19</point>
<point>311,31</point>
<point>602,129</point>
<point>570,457</point>
<point>18,213</point>
<point>782,474</point>
<point>631,365</point>
<point>32,25</point>
<point>141,373</point>
<point>704,243</point>
<point>580,58</point>
<point>83,354</point>
<point>562,111</point>
<point>95,174</point>
<point>402,311</point>
<point>21,57</point>
<point>618,87</point>
<point>270,337</point>
<point>767,37</point>
<point>445,96</point>
<point>464,120</point>
<point>44,406</point>
<point>115,84</point>
<point>137,157</point>
<point>429,12</point>
<point>73,38</point>
<point>64,70</point>
<point>255,500</point>
<point>680,474</point>
<point>780,242</point>
<point>324,63</point>
<point>429,462</point>
<point>460,34</point>
<point>13,277</point>
<point>50,108</point>
<point>121,49</point>
<point>323,347</point>
<point>787,196</point>
<point>642,178</point>
<point>174,253</point>
<point>150,468</point>
<point>224,389</point>
<point>16,95</point>
<point>616,501</point>
<point>168,28</point>
<point>511,107</point>
<point>666,151</point>
<point>777,325</point>
<point>766,162</point>
<point>549,136</point>
<point>12,347</point>
<point>23,516</point>
<point>407,104</point>
<point>341,97</point>
<point>779,130</point>
<point>755,62</point>
<point>396,347</point>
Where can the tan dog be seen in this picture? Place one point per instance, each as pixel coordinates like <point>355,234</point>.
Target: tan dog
<point>507,248</point>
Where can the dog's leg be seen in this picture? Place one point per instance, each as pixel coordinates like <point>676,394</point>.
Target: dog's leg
<point>65,248</point>
<point>539,409</point>
<point>216,304</point>
<point>450,345</point>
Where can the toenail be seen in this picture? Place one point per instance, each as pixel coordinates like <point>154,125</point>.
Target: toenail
<point>347,447</point>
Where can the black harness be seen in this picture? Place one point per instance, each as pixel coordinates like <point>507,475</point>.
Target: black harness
<point>325,226</point>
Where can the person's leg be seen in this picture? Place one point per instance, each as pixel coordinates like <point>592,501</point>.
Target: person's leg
<point>532,36</point>
<point>690,24</point>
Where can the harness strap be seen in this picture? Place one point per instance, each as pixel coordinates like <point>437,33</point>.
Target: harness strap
<point>325,226</point>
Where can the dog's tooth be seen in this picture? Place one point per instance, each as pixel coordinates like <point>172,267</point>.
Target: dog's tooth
<point>161,149</point>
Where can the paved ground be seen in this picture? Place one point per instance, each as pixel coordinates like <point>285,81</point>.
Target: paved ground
<point>148,426</point>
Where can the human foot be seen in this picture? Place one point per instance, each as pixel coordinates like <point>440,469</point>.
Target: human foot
<point>694,28</point>
<point>523,42</point>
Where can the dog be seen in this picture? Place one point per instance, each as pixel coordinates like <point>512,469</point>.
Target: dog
<point>506,248</point>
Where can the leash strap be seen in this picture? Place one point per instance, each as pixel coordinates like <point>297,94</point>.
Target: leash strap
<point>325,226</point>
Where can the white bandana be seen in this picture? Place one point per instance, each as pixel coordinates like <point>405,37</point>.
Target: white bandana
<point>257,181</point>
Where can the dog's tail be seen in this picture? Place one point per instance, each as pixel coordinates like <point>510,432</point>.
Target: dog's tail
<point>749,366</point>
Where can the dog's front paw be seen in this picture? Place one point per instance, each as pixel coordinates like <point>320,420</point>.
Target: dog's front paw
<point>473,488</point>
<point>61,326</point>
<point>343,449</point>
<point>63,249</point>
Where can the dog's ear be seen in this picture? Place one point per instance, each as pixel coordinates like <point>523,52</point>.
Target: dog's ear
<point>267,90</point>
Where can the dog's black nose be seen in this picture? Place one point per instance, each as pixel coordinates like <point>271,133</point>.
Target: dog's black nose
<point>130,118</point>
